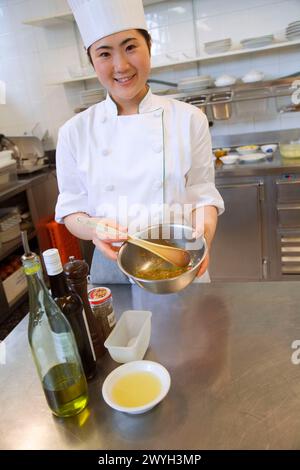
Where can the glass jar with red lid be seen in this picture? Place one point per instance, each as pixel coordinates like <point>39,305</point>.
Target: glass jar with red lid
<point>101,303</point>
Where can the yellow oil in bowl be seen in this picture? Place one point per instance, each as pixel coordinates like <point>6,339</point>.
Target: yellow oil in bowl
<point>136,389</point>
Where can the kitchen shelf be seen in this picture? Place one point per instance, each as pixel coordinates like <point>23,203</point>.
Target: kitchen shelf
<point>9,247</point>
<point>203,58</point>
<point>45,21</point>
<point>245,91</point>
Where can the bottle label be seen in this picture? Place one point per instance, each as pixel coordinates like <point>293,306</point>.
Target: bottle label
<point>111,319</point>
<point>63,346</point>
<point>89,334</point>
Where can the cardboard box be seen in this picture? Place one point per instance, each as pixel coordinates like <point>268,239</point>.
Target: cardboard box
<point>14,285</point>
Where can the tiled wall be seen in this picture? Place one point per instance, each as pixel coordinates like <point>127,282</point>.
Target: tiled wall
<point>31,58</point>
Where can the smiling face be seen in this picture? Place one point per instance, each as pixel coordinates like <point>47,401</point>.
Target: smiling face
<point>122,64</point>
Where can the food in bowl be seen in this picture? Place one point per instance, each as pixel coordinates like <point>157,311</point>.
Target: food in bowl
<point>290,150</point>
<point>246,149</point>
<point>134,260</point>
<point>160,269</point>
<point>136,387</point>
<point>147,384</point>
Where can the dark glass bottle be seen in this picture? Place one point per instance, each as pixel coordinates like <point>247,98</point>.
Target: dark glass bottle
<point>53,344</point>
<point>71,306</point>
<point>76,271</point>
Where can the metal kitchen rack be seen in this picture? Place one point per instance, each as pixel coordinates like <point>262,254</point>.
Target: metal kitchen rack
<point>233,93</point>
<point>239,92</point>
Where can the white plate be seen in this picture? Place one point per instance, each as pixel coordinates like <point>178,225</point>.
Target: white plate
<point>159,371</point>
<point>252,157</point>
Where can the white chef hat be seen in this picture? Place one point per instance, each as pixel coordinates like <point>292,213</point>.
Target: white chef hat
<point>99,18</point>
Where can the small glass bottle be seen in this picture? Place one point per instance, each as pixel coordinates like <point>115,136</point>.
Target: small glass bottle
<point>100,299</point>
<point>71,306</point>
<point>52,344</point>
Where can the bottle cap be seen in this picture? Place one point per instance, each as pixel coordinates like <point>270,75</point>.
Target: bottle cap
<point>52,261</point>
<point>98,295</point>
<point>76,270</point>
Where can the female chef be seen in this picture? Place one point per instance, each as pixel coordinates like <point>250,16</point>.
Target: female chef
<point>125,158</point>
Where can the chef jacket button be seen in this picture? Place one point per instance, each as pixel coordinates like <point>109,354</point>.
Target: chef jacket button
<point>157,148</point>
<point>109,187</point>
<point>105,152</point>
<point>157,185</point>
<point>157,114</point>
<point>103,119</point>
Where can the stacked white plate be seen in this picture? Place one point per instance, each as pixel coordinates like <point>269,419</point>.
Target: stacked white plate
<point>260,41</point>
<point>90,97</point>
<point>195,83</point>
<point>292,31</point>
<point>217,47</point>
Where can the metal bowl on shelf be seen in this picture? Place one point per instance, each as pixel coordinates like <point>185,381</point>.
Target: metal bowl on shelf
<point>142,267</point>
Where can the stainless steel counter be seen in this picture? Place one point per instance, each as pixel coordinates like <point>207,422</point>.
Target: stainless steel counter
<point>228,350</point>
<point>272,165</point>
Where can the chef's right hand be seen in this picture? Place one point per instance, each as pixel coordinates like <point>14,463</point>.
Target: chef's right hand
<point>104,241</point>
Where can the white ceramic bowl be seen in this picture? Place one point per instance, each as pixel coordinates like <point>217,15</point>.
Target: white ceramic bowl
<point>269,148</point>
<point>253,76</point>
<point>159,371</point>
<point>229,159</point>
<point>225,80</point>
<point>130,338</point>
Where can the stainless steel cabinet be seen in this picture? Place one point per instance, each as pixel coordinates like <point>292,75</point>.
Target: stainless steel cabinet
<point>288,225</point>
<point>238,247</point>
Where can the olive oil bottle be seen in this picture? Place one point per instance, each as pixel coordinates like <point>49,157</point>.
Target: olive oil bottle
<point>53,344</point>
<point>71,305</point>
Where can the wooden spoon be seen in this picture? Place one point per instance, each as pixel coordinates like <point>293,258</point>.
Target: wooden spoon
<point>172,254</point>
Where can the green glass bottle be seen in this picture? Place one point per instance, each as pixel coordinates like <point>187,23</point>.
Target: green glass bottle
<point>53,344</point>
<point>72,307</point>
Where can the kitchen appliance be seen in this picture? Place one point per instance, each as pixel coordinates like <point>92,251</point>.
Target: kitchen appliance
<point>6,144</point>
<point>27,151</point>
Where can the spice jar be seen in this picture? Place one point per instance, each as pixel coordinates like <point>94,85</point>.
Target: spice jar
<point>100,299</point>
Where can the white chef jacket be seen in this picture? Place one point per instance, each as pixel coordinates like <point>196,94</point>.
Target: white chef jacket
<point>160,155</point>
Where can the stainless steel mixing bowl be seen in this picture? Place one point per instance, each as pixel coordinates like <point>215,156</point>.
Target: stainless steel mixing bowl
<point>133,259</point>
